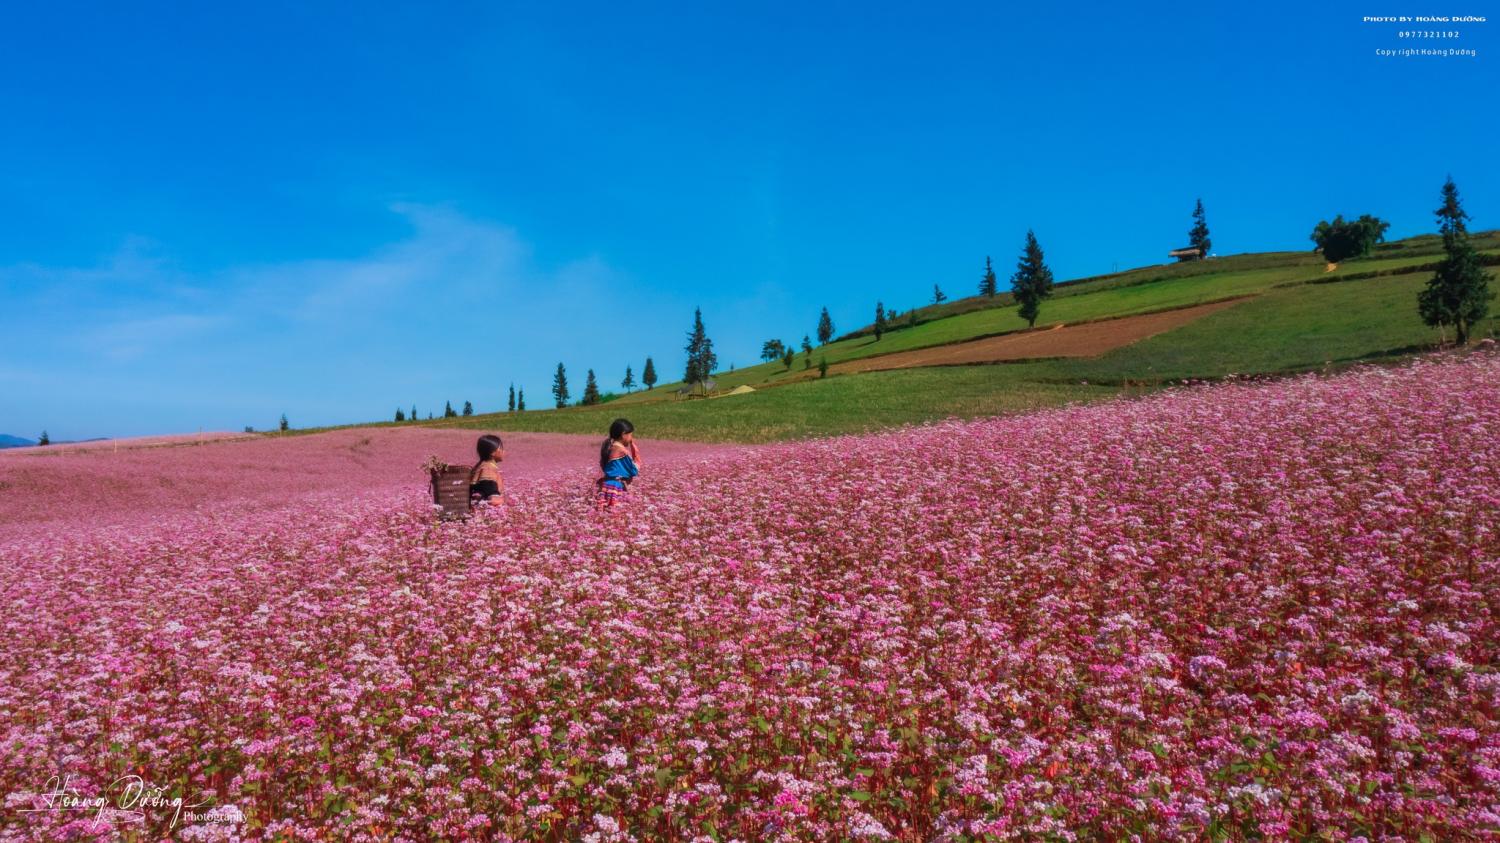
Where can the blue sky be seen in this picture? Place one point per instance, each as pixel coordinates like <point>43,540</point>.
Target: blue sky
<point>210,216</point>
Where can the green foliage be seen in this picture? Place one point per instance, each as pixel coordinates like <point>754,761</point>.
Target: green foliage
<point>448,410</point>
<point>283,424</point>
<point>1284,330</point>
<point>825,328</point>
<point>820,407</point>
<point>590,390</point>
<point>46,440</point>
<point>807,347</point>
<point>560,387</point>
<point>648,374</point>
<point>1198,235</point>
<point>520,400</point>
<point>701,361</point>
<point>880,324</point>
<point>629,382</point>
<point>510,403</point>
<point>468,409</point>
<point>787,357</point>
<point>1298,318</point>
<point>413,415</point>
<point>1343,239</point>
<point>400,415</point>
<point>987,283</point>
<point>1032,281</point>
<point>1138,292</point>
<point>772,350</point>
<point>1458,293</point>
<point>937,295</point>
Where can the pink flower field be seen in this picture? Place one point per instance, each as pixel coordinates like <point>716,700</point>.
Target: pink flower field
<point>1248,611</point>
<point>64,488</point>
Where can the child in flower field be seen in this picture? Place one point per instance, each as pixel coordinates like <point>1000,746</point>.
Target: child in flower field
<point>620,461</point>
<point>485,481</point>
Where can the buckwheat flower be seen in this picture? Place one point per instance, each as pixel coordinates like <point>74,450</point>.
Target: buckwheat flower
<point>1202,667</point>
<point>862,826</point>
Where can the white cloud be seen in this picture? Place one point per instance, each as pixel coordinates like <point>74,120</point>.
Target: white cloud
<point>130,338</point>
<point>135,301</point>
<point>455,308</point>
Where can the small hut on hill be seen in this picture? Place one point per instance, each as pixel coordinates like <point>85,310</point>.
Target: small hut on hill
<point>1190,253</point>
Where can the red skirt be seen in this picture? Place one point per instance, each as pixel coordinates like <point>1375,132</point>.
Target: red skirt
<point>610,492</point>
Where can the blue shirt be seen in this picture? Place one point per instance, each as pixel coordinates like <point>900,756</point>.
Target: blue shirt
<point>618,470</point>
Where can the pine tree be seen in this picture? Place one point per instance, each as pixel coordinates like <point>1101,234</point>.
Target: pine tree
<point>510,405</point>
<point>822,367</point>
<point>560,386</point>
<point>521,401</point>
<point>701,360</point>
<point>629,382</point>
<point>1198,236</point>
<point>448,410</point>
<point>284,425</point>
<point>468,409</point>
<point>807,350</point>
<point>987,286</point>
<point>1032,281</point>
<point>825,328</point>
<point>45,440</point>
<point>413,416</point>
<point>1458,294</point>
<point>937,295</point>
<point>400,415</point>
<point>786,359</point>
<point>879,320</point>
<point>648,374</point>
<point>590,390</point>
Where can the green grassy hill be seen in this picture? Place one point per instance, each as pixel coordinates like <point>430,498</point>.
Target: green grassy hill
<point>1295,316</point>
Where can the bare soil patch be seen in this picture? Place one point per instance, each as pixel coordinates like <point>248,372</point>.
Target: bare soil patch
<point>1088,339</point>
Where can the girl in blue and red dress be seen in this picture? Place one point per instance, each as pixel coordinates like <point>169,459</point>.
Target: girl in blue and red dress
<point>620,461</point>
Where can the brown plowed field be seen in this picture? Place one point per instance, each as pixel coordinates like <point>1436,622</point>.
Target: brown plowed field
<point>1088,339</point>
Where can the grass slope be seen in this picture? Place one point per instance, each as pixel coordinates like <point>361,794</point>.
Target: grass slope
<point>1299,317</point>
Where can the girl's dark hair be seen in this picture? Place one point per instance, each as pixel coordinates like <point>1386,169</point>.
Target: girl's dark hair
<point>617,428</point>
<point>487,445</point>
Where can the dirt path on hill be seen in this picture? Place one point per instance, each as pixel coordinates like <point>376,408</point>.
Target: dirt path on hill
<point>1088,339</point>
